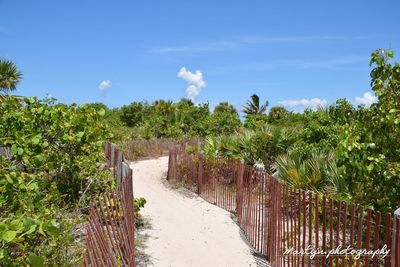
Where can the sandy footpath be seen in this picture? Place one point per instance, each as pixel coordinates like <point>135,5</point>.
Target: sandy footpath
<point>185,230</point>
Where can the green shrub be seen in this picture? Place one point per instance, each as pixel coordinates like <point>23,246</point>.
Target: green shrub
<point>369,147</point>
<point>50,167</point>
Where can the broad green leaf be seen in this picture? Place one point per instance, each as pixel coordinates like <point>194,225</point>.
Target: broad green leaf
<point>80,135</point>
<point>33,186</point>
<point>35,260</point>
<point>8,236</point>
<point>52,231</point>
<point>9,179</point>
<point>14,149</point>
<point>3,227</point>
<point>40,230</point>
<point>36,140</point>
<point>30,230</point>
<point>3,253</point>
<point>28,222</point>
<point>39,157</point>
<point>50,227</point>
<point>16,224</point>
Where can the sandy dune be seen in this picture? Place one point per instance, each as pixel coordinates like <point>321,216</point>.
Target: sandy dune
<point>185,230</point>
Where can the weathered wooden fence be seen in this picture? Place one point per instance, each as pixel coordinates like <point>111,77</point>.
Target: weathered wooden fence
<point>279,221</point>
<point>110,226</point>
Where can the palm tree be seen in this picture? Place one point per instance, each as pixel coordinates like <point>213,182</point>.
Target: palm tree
<point>253,107</point>
<point>10,76</point>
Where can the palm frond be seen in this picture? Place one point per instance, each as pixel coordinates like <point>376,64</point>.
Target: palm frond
<point>318,173</point>
<point>253,107</point>
<point>10,76</point>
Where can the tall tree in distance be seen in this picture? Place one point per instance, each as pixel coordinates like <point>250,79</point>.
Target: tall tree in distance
<point>224,120</point>
<point>10,76</point>
<point>255,113</point>
<point>253,107</point>
<point>225,107</point>
<point>276,114</point>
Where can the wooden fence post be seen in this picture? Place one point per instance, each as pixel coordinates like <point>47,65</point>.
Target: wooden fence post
<point>395,249</point>
<point>118,166</point>
<point>175,162</point>
<point>239,191</point>
<point>194,168</point>
<point>169,164</point>
<point>112,156</point>
<point>200,174</point>
<point>279,219</point>
<point>106,151</point>
<point>125,170</point>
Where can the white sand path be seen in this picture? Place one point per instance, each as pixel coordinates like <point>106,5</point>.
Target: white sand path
<point>185,230</point>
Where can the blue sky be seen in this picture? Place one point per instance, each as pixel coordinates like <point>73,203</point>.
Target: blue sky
<point>283,50</point>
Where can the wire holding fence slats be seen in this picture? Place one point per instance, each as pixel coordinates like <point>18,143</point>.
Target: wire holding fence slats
<point>276,218</point>
<point>110,226</point>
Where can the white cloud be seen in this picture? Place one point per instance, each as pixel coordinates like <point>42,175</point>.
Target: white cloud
<point>194,82</point>
<point>304,103</point>
<point>367,99</point>
<point>104,85</point>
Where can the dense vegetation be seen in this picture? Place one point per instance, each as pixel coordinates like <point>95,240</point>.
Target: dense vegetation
<point>51,164</point>
<point>184,118</point>
<point>51,161</point>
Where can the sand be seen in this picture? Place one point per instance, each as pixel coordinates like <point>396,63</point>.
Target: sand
<point>184,229</point>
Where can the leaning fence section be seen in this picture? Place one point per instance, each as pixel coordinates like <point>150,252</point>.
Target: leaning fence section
<point>110,226</point>
<point>281,222</point>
